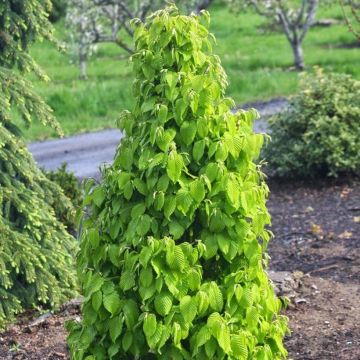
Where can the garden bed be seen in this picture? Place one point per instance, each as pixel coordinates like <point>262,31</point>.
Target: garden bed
<point>317,237</point>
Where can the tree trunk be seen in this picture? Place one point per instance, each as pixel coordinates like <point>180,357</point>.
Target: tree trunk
<point>298,56</point>
<point>82,63</point>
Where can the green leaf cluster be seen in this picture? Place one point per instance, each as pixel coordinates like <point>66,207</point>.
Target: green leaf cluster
<point>319,132</point>
<point>172,255</point>
<point>36,251</point>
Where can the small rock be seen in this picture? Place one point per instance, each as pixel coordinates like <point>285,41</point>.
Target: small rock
<point>301,301</point>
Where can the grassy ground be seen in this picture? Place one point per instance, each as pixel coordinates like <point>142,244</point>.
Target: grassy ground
<point>257,62</point>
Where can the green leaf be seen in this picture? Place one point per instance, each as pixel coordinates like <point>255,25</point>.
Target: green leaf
<point>188,308</point>
<point>198,150</point>
<point>115,327</point>
<point>174,166</point>
<point>211,245</point>
<point>197,190</point>
<point>180,109</point>
<point>163,303</point>
<point>149,325</point>
<point>183,200</point>
<point>122,179</point>
<point>202,127</point>
<point>127,340</point>
<point>96,300</point>
<point>175,258</point>
<point>188,132</point>
<point>144,225</point>
<point>146,277</point>
<point>177,334</point>
<point>94,237</point>
<point>131,313</point>
<point>163,112</point>
<point>140,186</point>
<point>194,279</point>
<point>223,243</point>
<point>203,336</point>
<point>138,210</point>
<point>176,230</point>
<point>94,285</point>
<point>112,302</point>
<point>215,297</point>
<point>99,196</point>
<point>238,346</point>
<point>127,280</point>
<point>169,206</point>
<point>203,302</point>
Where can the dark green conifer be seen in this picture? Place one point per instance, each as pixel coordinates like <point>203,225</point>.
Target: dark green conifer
<point>35,249</point>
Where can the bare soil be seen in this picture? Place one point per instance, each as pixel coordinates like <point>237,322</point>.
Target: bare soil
<point>317,237</point>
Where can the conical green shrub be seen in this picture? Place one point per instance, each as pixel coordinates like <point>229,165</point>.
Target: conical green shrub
<point>172,256</point>
<point>36,252</point>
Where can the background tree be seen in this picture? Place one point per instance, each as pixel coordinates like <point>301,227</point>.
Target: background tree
<point>351,11</point>
<point>35,249</point>
<point>295,17</point>
<point>172,255</point>
<point>92,22</point>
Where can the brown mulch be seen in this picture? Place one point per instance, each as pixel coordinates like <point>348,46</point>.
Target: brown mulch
<point>317,235</point>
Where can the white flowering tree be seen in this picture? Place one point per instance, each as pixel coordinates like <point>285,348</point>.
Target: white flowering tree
<point>91,22</point>
<point>293,16</point>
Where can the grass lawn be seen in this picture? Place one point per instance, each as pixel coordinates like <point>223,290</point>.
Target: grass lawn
<point>257,63</point>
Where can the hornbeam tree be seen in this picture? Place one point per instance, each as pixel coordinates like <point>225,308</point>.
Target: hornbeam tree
<point>35,248</point>
<point>295,17</point>
<point>91,22</point>
<point>173,251</point>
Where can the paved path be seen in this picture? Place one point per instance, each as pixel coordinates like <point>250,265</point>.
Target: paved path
<point>84,153</point>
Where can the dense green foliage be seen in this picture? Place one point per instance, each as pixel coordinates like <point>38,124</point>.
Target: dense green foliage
<point>58,10</point>
<point>172,256</point>
<point>35,248</point>
<point>319,132</point>
<point>72,190</point>
<point>242,43</point>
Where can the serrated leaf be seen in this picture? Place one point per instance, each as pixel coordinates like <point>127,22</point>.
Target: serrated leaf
<point>96,300</point>
<point>163,112</point>
<point>144,225</point>
<point>163,303</point>
<point>183,200</point>
<point>123,178</point>
<point>149,325</point>
<point>188,132</point>
<point>203,302</point>
<point>197,190</point>
<point>198,150</point>
<point>112,302</point>
<point>223,243</point>
<point>99,196</point>
<point>174,166</point>
<point>211,247</point>
<point>203,336</point>
<point>176,230</point>
<point>238,346</point>
<point>215,297</point>
<point>127,280</point>
<point>115,327</point>
<point>169,206</point>
<point>140,186</point>
<point>175,258</point>
<point>127,340</point>
<point>131,313</point>
<point>188,308</point>
<point>194,279</point>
